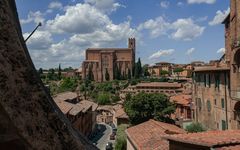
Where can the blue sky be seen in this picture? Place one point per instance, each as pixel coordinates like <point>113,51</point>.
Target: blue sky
<point>178,31</point>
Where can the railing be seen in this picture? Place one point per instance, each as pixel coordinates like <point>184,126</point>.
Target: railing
<point>235,94</point>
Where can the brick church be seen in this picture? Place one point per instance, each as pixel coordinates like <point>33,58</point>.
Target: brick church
<point>104,62</point>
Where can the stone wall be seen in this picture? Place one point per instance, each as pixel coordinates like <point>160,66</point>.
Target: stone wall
<point>29,117</point>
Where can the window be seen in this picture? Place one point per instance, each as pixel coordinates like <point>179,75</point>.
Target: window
<point>199,104</point>
<point>209,80</point>
<point>208,105</point>
<point>205,79</point>
<point>217,81</point>
<point>222,102</point>
<point>215,101</point>
<point>224,127</point>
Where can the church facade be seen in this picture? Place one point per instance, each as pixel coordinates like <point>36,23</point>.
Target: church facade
<point>109,63</point>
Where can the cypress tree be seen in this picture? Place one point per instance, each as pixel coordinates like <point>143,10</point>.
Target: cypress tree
<point>59,72</point>
<point>129,74</point>
<point>107,75</point>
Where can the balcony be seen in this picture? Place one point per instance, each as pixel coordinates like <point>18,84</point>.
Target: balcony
<point>235,94</point>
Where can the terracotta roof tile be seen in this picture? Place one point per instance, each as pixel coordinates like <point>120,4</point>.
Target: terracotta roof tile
<point>181,99</point>
<point>209,138</point>
<point>148,135</point>
<point>65,107</point>
<point>64,96</point>
<point>120,113</point>
<point>235,147</point>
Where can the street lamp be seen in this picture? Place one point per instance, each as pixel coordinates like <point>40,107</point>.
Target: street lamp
<point>39,24</point>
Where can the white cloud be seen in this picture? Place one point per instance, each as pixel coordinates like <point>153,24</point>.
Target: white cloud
<point>79,33</point>
<point>35,17</point>
<point>180,4</point>
<point>75,16</point>
<point>161,53</point>
<point>201,1</point>
<point>186,29</point>
<point>221,51</point>
<point>105,6</point>
<point>40,40</point>
<point>164,4</point>
<point>201,19</point>
<point>156,27</point>
<point>190,51</point>
<point>55,5</point>
<point>178,30</point>
<point>220,16</point>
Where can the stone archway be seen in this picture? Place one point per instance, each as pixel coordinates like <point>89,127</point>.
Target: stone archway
<point>29,117</point>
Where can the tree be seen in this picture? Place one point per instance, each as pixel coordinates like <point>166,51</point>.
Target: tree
<point>90,75</point>
<point>177,71</point>
<point>129,74</point>
<point>68,84</point>
<point>115,98</point>
<point>121,142</point>
<point>138,69</point>
<point>40,71</point>
<point>164,72</point>
<point>107,75</point>
<point>144,106</point>
<point>103,98</point>
<point>145,71</point>
<point>51,74</point>
<point>59,72</point>
<point>195,127</point>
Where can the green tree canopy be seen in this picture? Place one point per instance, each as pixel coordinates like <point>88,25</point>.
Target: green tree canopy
<point>144,106</point>
<point>164,72</point>
<point>195,127</point>
<point>145,71</point>
<point>176,70</point>
<point>103,98</point>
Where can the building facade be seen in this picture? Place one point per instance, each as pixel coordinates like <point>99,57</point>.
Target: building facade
<point>216,90</point>
<point>103,61</point>
<point>167,88</point>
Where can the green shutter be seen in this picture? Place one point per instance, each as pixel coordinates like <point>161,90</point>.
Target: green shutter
<point>222,101</point>
<point>223,125</point>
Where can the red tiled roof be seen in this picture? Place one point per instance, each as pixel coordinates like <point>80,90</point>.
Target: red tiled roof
<point>209,138</point>
<point>148,135</point>
<point>120,113</point>
<point>235,147</point>
<point>210,68</point>
<point>65,107</point>
<point>181,99</point>
<point>64,96</point>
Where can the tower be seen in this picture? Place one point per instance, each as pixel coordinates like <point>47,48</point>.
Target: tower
<point>132,45</point>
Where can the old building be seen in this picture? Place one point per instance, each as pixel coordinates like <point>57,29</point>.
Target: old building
<point>216,87</point>
<point>81,113</point>
<point>120,116</point>
<point>103,61</point>
<point>210,140</point>
<point>155,87</point>
<point>105,114</point>
<point>160,69</point>
<point>183,108</point>
<point>148,135</point>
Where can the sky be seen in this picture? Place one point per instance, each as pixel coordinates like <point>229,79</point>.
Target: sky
<point>177,31</point>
